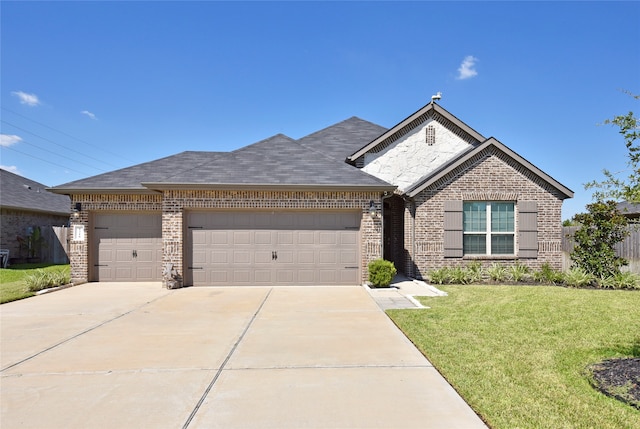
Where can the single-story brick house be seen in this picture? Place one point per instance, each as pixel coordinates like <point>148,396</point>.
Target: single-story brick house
<point>428,192</point>
<point>24,205</point>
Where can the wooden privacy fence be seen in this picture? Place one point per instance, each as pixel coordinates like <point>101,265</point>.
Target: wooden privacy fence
<point>628,249</point>
<point>56,250</point>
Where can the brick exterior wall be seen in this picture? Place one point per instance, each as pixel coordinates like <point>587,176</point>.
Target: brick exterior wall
<point>174,203</point>
<point>488,176</point>
<point>14,223</point>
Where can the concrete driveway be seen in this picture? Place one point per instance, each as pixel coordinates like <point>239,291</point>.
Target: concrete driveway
<point>114,355</point>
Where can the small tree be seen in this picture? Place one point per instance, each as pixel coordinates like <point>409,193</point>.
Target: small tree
<point>615,187</point>
<point>600,229</point>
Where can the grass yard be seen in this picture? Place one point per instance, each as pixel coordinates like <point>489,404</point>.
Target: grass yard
<point>12,285</point>
<point>518,354</point>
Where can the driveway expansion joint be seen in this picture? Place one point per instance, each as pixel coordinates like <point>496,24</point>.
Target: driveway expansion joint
<point>58,344</point>
<point>224,363</point>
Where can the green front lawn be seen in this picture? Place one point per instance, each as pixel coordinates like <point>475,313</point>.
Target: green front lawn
<point>518,354</point>
<point>12,285</point>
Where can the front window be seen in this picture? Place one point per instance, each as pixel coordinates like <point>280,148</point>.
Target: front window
<point>488,228</point>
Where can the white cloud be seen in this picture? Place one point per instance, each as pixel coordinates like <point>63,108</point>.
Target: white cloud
<point>467,68</point>
<point>7,140</point>
<point>28,99</point>
<point>89,114</point>
<point>11,168</point>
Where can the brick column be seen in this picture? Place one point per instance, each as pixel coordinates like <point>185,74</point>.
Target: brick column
<point>172,237</point>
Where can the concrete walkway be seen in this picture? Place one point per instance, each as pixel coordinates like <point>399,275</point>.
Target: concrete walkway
<point>402,293</point>
<point>135,355</point>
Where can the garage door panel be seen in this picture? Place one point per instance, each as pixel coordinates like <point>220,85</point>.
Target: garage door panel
<point>242,276</point>
<point>217,237</point>
<point>146,255</point>
<point>327,276</point>
<point>199,237</point>
<point>306,257</point>
<point>242,237</point>
<point>126,247</point>
<point>327,237</point>
<point>285,257</point>
<point>123,255</point>
<point>218,257</point>
<point>144,273</point>
<point>348,258</point>
<point>274,248</point>
<point>327,257</point>
<point>263,257</point>
<point>285,237</point>
<point>306,276</point>
<point>241,257</point>
<point>349,276</point>
<point>348,237</point>
<point>306,238</point>
<point>285,276</point>
<point>263,237</point>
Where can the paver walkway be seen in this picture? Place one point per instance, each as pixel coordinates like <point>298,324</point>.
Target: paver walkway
<point>136,355</point>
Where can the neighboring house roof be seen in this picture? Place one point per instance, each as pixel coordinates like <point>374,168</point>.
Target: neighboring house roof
<point>438,174</point>
<point>20,193</point>
<point>631,210</point>
<point>429,111</point>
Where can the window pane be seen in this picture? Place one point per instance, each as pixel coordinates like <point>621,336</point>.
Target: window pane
<point>502,244</point>
<point>502,217</point>
<point>475,244</point>
<point>475,217</point>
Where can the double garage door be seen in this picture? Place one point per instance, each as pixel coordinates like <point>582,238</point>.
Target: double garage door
<point>225,248</point>
<point>272,248</point>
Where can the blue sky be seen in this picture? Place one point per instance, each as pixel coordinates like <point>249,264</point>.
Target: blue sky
<point>88,87</point>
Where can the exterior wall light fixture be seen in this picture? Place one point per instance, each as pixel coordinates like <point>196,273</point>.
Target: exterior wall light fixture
<point>77,208</point>
<point>373,211</point>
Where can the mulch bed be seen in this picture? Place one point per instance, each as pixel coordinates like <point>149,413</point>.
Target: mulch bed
<point>619,378</point>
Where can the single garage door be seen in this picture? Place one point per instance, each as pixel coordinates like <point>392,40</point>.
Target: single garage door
<point>273,248</point>
<point>126,247</point>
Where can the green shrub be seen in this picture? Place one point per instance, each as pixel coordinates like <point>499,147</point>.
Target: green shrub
<point>41,279</point>
<point>600,230</point>
<point>459,276</point>
<point>548,275</point>
<point>518,272</point>
<point>475,272</point>
<point>439,276</point>
<point>381,272</point>
<point>622,280</point>
<point>497,272</point>
<point>577,277</point>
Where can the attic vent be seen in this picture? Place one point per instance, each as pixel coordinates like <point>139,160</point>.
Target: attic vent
<point>360,162</point>
<point>431,135</point>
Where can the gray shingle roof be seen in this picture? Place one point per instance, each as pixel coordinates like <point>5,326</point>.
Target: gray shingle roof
<point>342,139</point>
<point>278,160</point>
<point>132,177</point>
<point>316,160</point>
<point>18,192</point>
